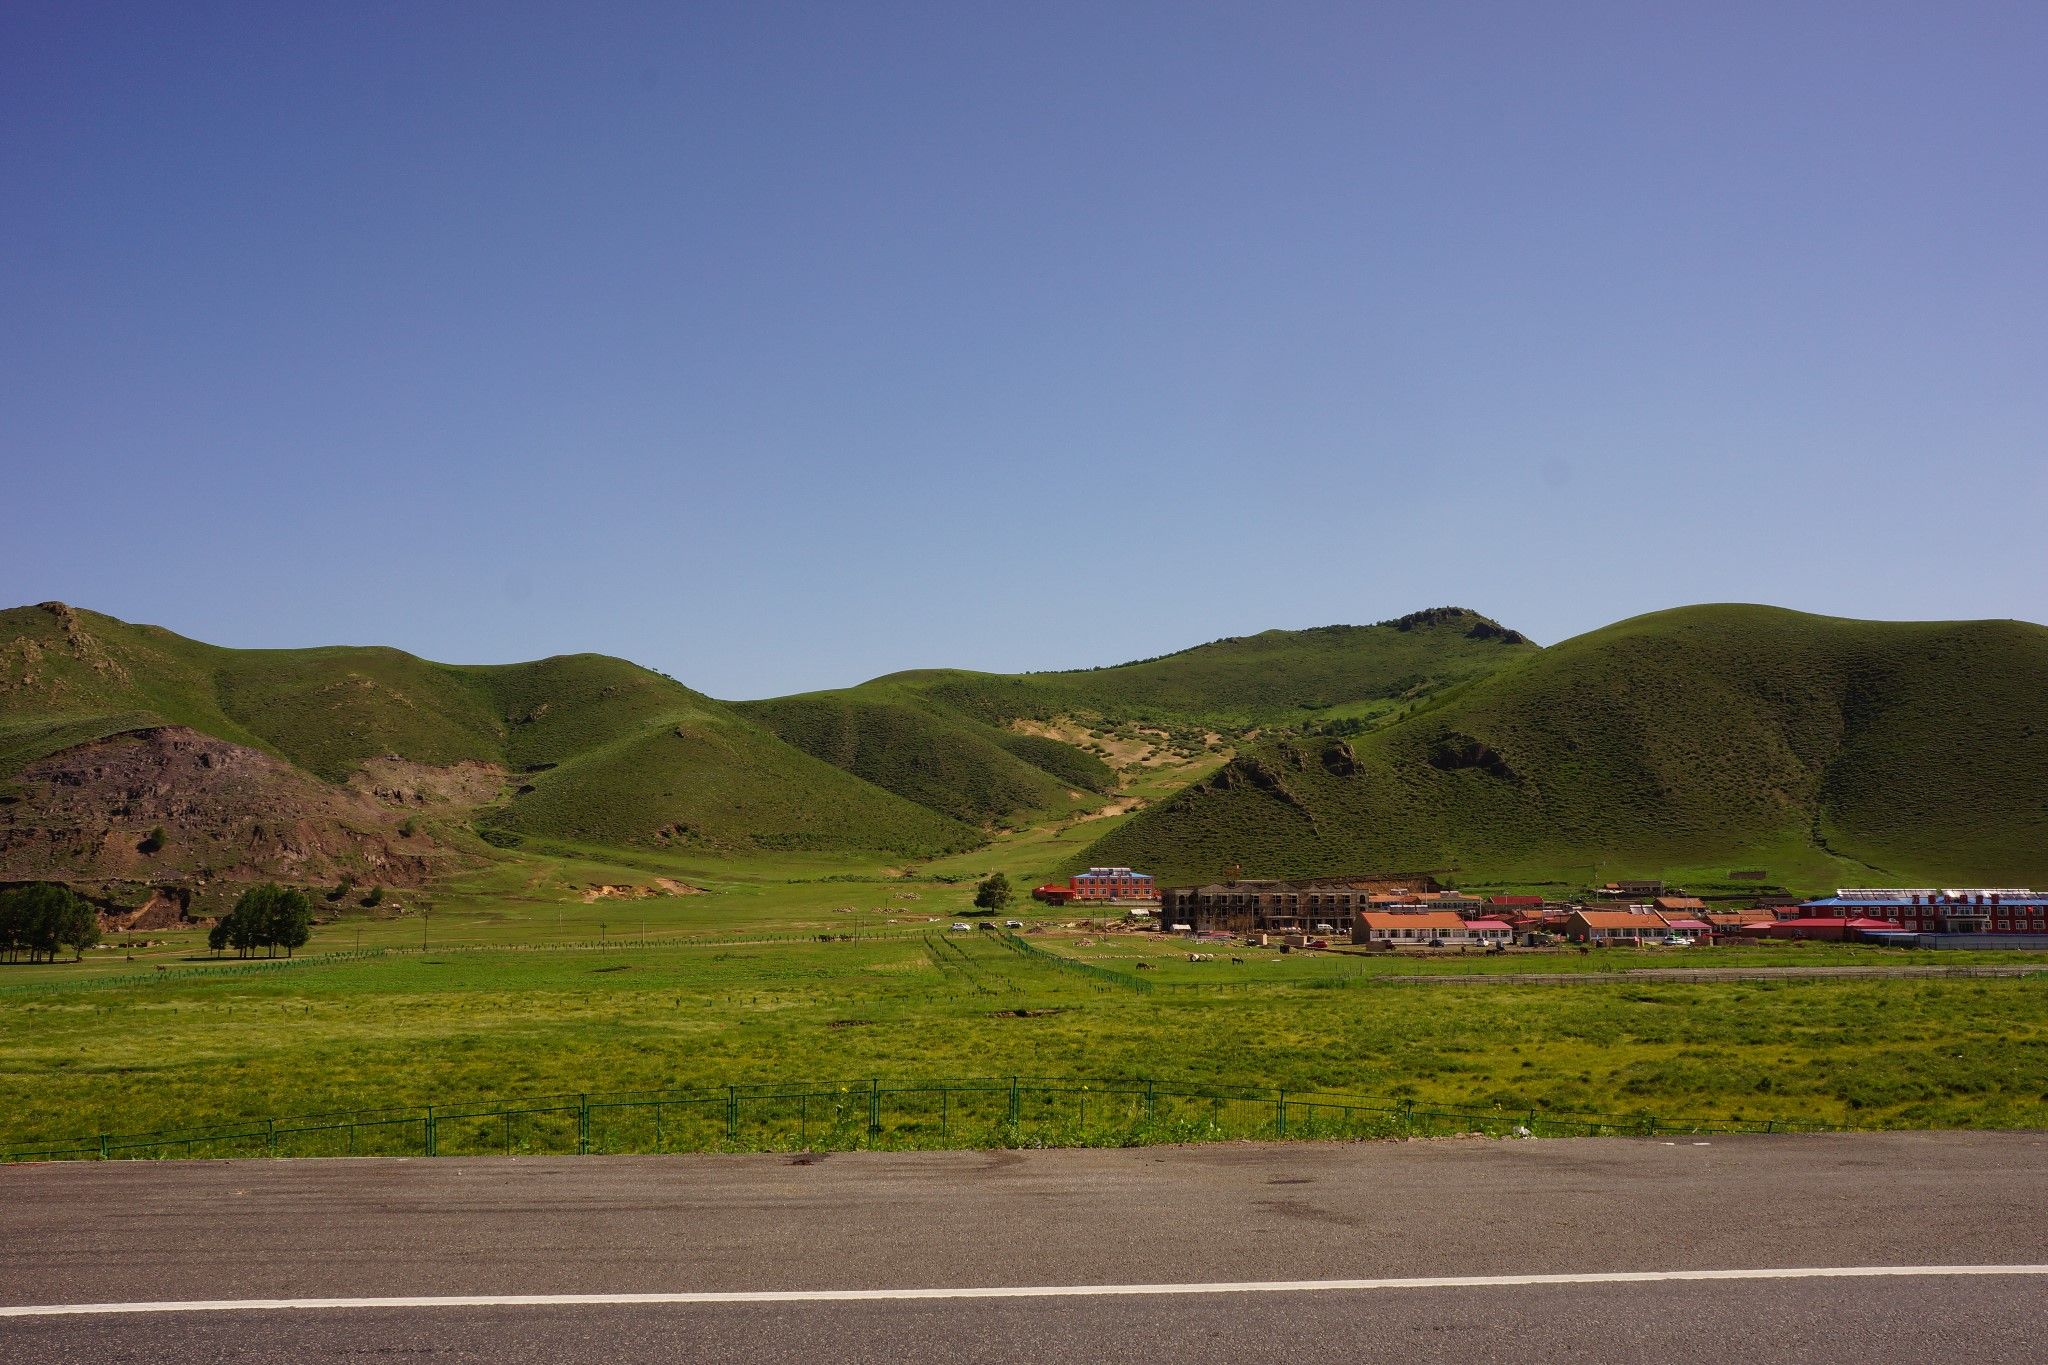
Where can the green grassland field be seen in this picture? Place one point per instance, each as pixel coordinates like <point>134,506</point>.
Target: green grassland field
<point>519,981</point>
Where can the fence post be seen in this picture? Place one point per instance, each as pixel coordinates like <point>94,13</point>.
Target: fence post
<point>874,1104</point>
<point>583,1125</point>
<point>433,1133</point>
<point>1016,1104</point>
<point>105,1152</point>
<point>270,1137</point>
<point>1408,1117</point>
<point>1280,1115</point>
<point>1151,1102</point>
<point>732,1113</point>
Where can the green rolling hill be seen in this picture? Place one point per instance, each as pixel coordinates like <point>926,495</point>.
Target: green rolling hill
<point>1814,748</point>
<point>1714,736</point>
<point>592,749</point>
<point>977,746</point>
<point>941,760</point>
<point>1276,678</point>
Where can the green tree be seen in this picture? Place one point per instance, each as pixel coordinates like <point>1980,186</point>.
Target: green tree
<point>39,919</point>
<point>267,916</point>
<point>244,922</point>
<point>78,926</point>
<point>993,894</point>
<point>10,924</point>
<point>291,921</point>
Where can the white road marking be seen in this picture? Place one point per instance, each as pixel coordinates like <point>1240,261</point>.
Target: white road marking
<point>1045,1291</point>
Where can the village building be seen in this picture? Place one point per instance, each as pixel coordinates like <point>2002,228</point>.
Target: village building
<point>1821,927</point>
<point>1113,884</point>
<point>1927,910</point>
<point>1425,928</point>
<point>1638,925</point>
<point>1729,922</point>
<point>1315,906</point>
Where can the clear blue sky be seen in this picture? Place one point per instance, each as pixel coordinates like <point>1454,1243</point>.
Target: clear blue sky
<point>776,346</point>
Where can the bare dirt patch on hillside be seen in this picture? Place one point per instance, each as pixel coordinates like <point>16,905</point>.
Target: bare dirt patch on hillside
<point>1121,806</point>
<point>1140,746</point>
<point>663,886</point>
<point>399,781</point>
<point>226,813</point>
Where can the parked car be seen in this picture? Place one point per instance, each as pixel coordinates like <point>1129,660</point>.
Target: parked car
<point>1674,941</point>
<point>1013,924</point>
<point>963,928</point>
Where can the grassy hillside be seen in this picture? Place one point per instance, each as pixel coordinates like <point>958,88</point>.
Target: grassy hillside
<point>1279,677</point>
<point>959,743</point>
<point>595,748</point>
<point>1733,736</point>
<point>1820,750</point>
<point>945,762</point>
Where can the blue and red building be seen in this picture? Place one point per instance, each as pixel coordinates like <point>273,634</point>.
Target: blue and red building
<point>1995,910</point>
<point>1102,884</point>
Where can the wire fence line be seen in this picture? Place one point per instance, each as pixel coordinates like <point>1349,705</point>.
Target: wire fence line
<point>196,967</point>
<point>1123,980</point>
<point>796,1115</point>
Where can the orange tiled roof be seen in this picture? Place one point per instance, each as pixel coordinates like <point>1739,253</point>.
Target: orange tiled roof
<point>1618,919</point>
<point>1428,919</point>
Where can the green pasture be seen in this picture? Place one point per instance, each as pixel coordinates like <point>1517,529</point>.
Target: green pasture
<point>79,1055</point>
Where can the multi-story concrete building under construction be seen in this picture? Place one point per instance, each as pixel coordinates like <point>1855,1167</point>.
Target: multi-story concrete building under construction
<point>1250,907</point>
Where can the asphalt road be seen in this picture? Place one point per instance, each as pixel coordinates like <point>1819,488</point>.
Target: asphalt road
<point>75,1233</point>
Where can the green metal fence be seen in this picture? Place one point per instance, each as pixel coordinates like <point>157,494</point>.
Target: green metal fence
<point>1006,1111</point>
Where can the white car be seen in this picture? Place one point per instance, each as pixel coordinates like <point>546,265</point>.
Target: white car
<point>963,928</point>
<point>1675,942</point>
<point>1013,924</point>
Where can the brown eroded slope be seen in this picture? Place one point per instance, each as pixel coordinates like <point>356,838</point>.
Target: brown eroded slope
<point>226,811</point>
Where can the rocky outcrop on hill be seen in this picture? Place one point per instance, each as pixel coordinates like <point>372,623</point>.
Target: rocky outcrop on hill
<point>1476,627</point>
<point>168,804</point>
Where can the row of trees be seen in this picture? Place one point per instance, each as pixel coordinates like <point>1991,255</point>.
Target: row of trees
<point>38,920</point>
<point>268,917</point>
